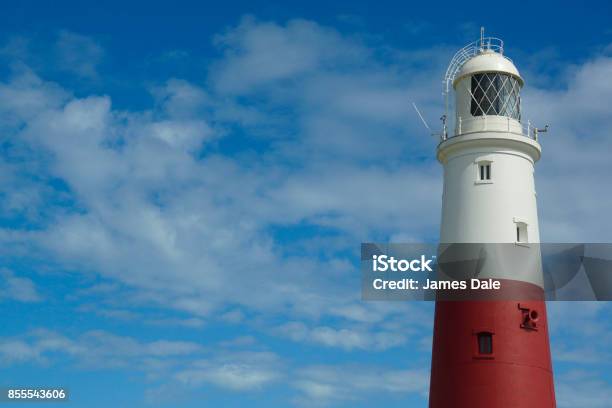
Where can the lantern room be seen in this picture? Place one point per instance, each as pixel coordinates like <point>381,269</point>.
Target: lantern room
<point>487,89</point>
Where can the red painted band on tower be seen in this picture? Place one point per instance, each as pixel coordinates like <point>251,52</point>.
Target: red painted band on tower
<point>513,370</point>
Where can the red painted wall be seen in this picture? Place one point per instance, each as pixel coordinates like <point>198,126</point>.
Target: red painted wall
<point>518,373</point>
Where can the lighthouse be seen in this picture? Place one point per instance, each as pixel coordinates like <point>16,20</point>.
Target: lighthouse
<point>495,352</point>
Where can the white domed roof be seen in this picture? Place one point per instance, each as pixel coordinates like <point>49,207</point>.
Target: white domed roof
<point>488,61</point>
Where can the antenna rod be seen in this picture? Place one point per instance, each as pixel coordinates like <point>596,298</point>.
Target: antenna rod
<point>421,116</point>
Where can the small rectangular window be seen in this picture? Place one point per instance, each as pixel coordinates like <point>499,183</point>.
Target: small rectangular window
<point>485,343</point>
<point>484,171</point>
<point>521,232</point>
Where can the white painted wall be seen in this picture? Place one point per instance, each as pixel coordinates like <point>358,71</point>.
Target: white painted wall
<point>475,211</point>
<point>488,212</point>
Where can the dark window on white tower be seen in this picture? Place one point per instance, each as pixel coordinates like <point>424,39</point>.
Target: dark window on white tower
<point>485,343</point>
<point>484,171</point>
<point>495,94</point>
<point>521,232</point>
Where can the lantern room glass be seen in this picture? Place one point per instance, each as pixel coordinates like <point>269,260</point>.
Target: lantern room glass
<point>495,94</point>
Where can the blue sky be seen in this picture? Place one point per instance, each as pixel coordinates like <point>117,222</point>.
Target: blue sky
<point>184,189</point>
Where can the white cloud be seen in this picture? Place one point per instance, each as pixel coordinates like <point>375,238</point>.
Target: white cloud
<point>581,389</point>
<point>153,212</point>
<point>26,96</point>
<point>95,348</point>
<point>233,317</point>
<point>192,322</point>
<point>78,54</point>
<point>260,53</point>
<point>17,288</point>
<point>179,134</point>
<point>180,99</point>
<point>329,385</point>
<point>345,338</point>
<point>238,371</point>
<point>16,351</point>
<point>573,170</point>
<point>186,362</point>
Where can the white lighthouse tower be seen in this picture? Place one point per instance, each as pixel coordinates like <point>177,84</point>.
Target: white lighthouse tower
<point>492,353</point>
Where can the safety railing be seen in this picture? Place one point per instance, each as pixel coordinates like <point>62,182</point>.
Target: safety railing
<point>468,52</point>
<point>494,123</point>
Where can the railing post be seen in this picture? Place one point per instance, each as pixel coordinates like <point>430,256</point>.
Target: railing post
<point>528,128</point>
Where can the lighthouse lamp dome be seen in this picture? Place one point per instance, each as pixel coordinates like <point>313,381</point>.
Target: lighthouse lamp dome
<point>488,61</point>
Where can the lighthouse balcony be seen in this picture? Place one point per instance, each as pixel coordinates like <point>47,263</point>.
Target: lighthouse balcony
<point>492,123</point>
<point>487,135</point>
